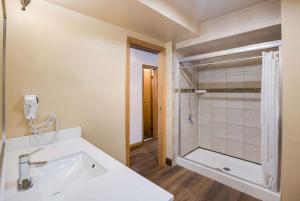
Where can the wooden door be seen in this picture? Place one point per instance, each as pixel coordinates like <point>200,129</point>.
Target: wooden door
<point>147,104</point>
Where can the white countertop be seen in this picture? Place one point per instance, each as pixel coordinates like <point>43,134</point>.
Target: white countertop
<point>118,183</point>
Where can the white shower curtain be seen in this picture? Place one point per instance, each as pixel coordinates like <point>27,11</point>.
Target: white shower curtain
<point>270,118</point>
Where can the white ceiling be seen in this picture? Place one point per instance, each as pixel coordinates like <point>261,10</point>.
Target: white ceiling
<point>132,15</point>
<point>203,10</point>
<point>165,20</point>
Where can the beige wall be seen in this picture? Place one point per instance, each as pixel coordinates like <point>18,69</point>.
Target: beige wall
<point>75,64</point>
<point>290,185</point>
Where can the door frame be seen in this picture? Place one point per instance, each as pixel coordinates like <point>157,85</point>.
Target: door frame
<point>161,97</point>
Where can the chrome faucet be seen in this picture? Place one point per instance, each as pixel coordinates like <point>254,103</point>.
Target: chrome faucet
<point>24,181</point>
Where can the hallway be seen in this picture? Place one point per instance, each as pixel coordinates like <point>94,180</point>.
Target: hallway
<point>185,185</point>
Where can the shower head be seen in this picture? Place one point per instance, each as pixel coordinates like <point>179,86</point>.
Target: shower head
<point>24,4</point>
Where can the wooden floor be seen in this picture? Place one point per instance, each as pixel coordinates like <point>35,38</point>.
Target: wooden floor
<point>185,185</point>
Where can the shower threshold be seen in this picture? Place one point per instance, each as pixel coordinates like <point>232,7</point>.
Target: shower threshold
<point>239,174</point>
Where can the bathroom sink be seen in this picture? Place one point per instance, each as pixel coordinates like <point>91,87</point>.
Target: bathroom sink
<point>61,175</point>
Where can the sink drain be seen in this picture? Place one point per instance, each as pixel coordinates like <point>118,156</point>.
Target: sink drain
<point>218,169</point>
<point>226,169</point>
<point>56,193</point>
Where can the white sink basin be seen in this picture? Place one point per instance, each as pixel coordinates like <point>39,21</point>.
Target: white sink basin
<point>60,175</point>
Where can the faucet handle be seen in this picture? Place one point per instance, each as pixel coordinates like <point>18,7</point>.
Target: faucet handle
<point>35,151</point>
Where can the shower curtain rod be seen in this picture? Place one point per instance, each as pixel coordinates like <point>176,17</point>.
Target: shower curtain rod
<point>220,62</point>
<point>250,48</point>
<point>219,90</point>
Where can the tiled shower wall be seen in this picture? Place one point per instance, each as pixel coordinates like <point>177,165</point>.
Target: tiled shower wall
<point>229,123</point>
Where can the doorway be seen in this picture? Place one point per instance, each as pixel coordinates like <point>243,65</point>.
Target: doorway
<point>155,108</point>
<point>150,78</point>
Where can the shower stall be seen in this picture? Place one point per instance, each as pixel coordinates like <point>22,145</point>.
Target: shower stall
<point>229,117</point>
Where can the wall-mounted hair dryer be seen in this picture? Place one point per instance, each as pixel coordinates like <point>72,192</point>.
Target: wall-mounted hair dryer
<point>30,106</point>
<point>30,112</point>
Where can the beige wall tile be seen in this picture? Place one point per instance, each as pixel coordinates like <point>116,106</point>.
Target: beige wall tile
<point>235,116</point>
<point>218,144</point>
<point>219,100</point>
<point>252,153</point>
<point>234,77</point>
<point>234,148</point>
<point>205,141</point>
<point>205,128</point>
<point>252,76</point>
<point>219,130</point>
<point>219,115</point>
<point>253,68</point>
<point>205,100</point>
<point>219,75</point>
<point>252,101</point>
<point>205,132</point>
<point>235,100</point>
<point>252,135</point>
<point>234,132</point>
<point>252,118</point>
<point>205,113</point>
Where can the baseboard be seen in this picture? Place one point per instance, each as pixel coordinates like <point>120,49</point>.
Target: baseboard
<point>135,145</point>
<point>169,161</point>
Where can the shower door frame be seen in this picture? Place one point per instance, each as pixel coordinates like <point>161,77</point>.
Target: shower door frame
<point>251,48</point>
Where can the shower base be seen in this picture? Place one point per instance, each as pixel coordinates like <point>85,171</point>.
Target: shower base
<point>237,167</point>
<point>236,173</point>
